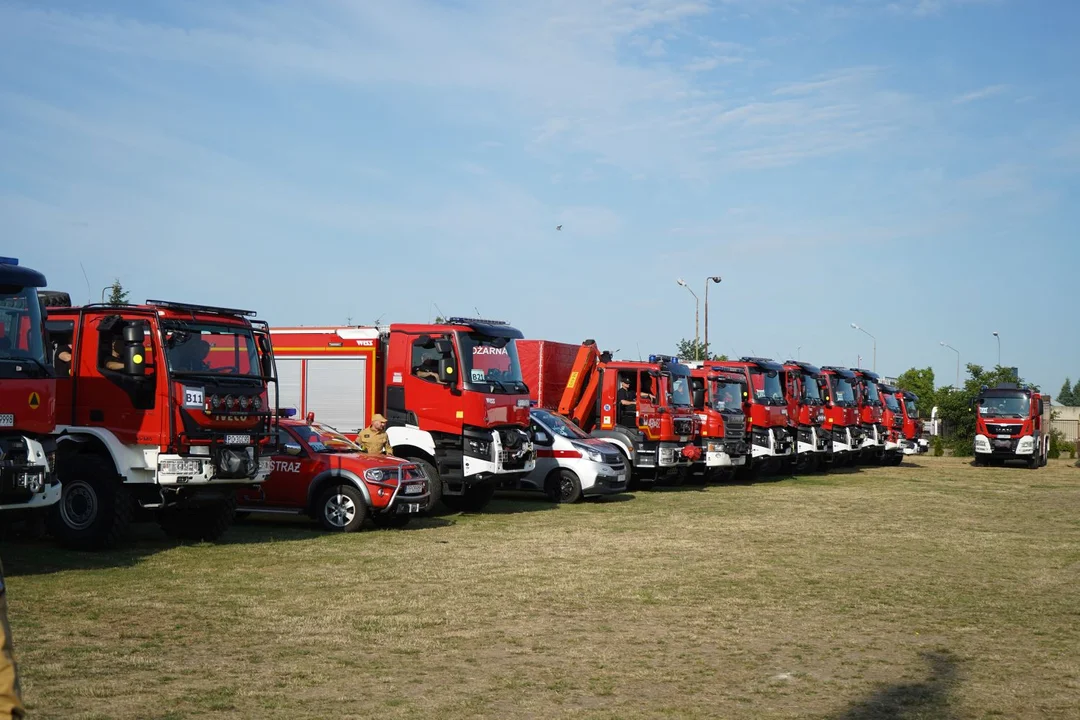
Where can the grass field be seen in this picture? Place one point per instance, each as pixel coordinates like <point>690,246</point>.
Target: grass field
<point>930,590</point>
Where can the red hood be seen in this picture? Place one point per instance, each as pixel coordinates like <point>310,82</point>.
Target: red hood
<point>489,410</point>
<point>768,415</point>
<point>32,402</point>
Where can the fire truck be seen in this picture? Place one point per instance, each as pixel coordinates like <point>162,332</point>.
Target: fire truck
<point>872,435</point>
<point>657,433</point>
<point>1012,422</point>
<point>28,484</point>
<point>452,393</point>
<point>162,410</point>
<point>892,419</point>
<point>766,412</point>
<point>841,414</point>
<point>912,441</point>
<point>718,397</point>
<point>806,413</point>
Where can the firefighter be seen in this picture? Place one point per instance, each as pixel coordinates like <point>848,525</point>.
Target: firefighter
<point>11,705</point>
<point>373,439</point>
<point>116,360</point>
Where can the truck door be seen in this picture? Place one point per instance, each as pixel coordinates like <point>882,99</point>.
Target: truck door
<point>427,395</point>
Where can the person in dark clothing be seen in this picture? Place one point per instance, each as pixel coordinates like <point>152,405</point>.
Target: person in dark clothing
<point>626,402</point>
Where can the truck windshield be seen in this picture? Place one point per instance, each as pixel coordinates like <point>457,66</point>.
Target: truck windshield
<point>20,330</point>
<point>726,396</point>
<point>559,425</point>
<point>912,411</point>
<point>210,348</point>
<point>811,393</point>
<point>323,438</point>
<point>873,397</point>
<point>680,390</point>
<point>1004,406</point>
<point>843,392</point>
<point>492,361</point>
<point>892,403</point>
<point>767,387</point>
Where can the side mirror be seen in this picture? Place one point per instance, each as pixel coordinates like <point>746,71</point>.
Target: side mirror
<point>699,398</point>
<point>446,371</point>
<point>293,449</point>
<point>267,364</point>
<point>444,346</point>
<point>541,438</point>
<point>134,350</point>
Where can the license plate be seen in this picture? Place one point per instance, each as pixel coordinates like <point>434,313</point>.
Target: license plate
<point>1001,443</point>
<point>414,489</point>
<point>237,439</point>
<point>7,420</point>
<point>182,467</point>
<point>620,479</point>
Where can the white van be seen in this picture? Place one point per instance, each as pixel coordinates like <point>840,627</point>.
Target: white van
<point>569,463</point>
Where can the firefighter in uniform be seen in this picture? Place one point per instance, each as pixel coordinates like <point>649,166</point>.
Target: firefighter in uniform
<point>373,439</point>
<point>11,705</point>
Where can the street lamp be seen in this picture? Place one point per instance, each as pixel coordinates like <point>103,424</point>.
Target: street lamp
<point>945,344</point>
<point>696,348</point>
<point>995,335</point>
<point>874,368</point>
<point>715,279</point>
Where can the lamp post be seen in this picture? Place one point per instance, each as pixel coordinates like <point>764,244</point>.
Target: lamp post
<point>715,279</point>
<point>995,335</point>
<point>697,349</point>
<point>945,344</point>
<point>874,368</point>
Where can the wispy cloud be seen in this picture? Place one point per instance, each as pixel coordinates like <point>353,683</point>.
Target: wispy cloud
<point>980,94</point>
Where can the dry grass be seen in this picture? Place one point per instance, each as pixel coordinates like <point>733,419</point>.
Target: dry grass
<point>932,590</point>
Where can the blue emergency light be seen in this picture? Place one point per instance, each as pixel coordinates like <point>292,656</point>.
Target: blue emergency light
<point>9,261</point>
<point>663,359</point>
<point>287,412</point>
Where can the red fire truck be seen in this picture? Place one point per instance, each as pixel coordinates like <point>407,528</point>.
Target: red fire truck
<point>872,437</point>
<point>766,412</point>
<point>718,397</point>
<point>841,415</point>
<point>892,419</point>
<point>162,410</point>
<point>452,393</point>
<point>657,434</point>
<point>806,413</point>
<point>1012,422</point>
<point>28,484</point>
<point>912,442</point>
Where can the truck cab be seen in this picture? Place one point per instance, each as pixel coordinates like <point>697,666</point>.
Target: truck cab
<point>892,419</point>
<point>766,411</point>
<point>719,396</point>
<point>841,414</point>
<point>871,407</point>
<point>163,412</point>
<point>806,413</point>
<point>1012,422</point>
<point>912,441</point>
<point>28,484</point>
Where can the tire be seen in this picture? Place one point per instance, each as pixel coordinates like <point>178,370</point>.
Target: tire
<point>434,485</point>
<point>341,508</point>
<point>95,509</point>
<point>563,487</point>
<point>388,522</point>
<point>205,523</point>
<point>474,499</point>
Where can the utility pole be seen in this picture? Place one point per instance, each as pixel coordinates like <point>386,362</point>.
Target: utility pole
<point>945,344</point>
<point>715,279</point>
<point>874,367</point>
<point>995,335</point>
<point>697,346</point>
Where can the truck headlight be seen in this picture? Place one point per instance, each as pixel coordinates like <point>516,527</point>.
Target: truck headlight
<point>982,444</point>
<point>479,448</point>
<point>667,456</point>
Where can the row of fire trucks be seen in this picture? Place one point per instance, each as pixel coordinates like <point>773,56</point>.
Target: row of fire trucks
<point>169,411</point>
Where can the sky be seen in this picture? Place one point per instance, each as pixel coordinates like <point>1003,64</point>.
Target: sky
<point>910,166</point>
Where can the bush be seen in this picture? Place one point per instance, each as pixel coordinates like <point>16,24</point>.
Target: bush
<point>939,446</point>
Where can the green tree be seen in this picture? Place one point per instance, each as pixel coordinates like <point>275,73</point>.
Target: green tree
<point>920,382</point>
<point>1067,394</point>
<point>117,294</point>
<point>695,350</point>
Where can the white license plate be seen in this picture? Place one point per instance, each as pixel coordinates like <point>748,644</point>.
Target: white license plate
<point>620,479</point>
<point>237,439</point>
<point>414,489</point>
<point>7,420</point>
<point>183,467</point>
<point>1004,437</point>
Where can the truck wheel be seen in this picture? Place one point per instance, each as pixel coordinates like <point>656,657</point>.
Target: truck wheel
<point>95,508</point>
<point>206,523</point>
<point>341,508</point>
<point>434,484</point>
<point>474,499</point>
<point>563,486</point>
<point>390,521</point>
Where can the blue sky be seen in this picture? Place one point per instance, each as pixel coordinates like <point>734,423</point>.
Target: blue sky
<point>907,165</point>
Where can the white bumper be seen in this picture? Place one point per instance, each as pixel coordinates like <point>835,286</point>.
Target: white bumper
<point>188,470</point>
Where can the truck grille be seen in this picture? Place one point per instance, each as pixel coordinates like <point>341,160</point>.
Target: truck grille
<point>1002,429</point>
<point>734,427</point>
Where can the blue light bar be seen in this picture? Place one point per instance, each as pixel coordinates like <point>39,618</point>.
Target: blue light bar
<point>287,412</point>
<point>663,358</point>
<point>9,261</point>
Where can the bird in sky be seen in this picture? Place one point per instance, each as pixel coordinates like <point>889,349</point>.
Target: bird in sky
<point>558,227</point>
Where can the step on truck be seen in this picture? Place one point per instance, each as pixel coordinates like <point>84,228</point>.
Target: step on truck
<point>718,396</point>
<point>656,431</point>
<point>766,413</point>
<point>803,386</point>
<point>452,393</point>
<point>841,415</point>
<point>163,412</point>
<point>28,483</point>
<point>872,429</point>
<point>1012,422</point>
<point>892,418</point>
